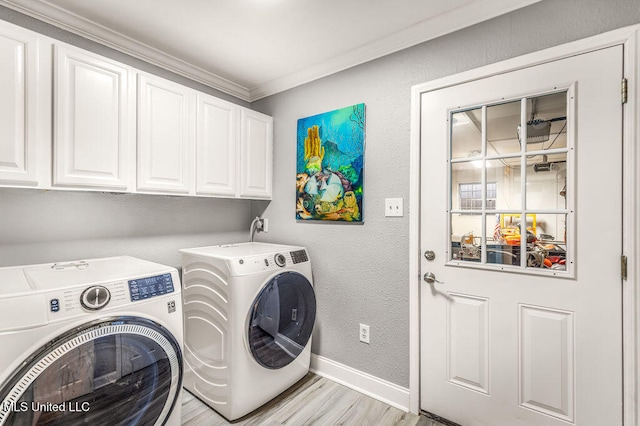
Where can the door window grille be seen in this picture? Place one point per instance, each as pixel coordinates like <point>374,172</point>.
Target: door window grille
<point>510,164</point>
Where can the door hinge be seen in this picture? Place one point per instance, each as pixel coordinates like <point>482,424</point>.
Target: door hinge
<point>623,267</point>
<point>624,90</point>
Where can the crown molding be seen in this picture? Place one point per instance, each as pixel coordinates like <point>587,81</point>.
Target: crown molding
<point>471,13</point>
<point>53,15</point>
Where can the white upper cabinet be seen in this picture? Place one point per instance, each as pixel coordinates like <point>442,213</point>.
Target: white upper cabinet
<point>71,119</point>
<point>24,113</point>
<point>166,123</point>
<point>93,121</point>
<point>216,163</point>
<point>256,155</point>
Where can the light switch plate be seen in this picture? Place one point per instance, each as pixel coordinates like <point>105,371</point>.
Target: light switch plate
<point>393,207</point>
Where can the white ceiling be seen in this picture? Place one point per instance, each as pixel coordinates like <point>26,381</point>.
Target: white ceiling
<point>255,48</point>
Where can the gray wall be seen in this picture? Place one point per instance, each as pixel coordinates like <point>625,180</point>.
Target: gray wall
<point>49,226</point>
<point>361,271</point>
<point>38,226</point>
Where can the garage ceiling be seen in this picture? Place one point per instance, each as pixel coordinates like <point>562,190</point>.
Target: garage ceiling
<point>255,48</point>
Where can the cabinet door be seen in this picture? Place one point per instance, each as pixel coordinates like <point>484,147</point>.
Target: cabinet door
<point>216,147</point>
<point>165,123</point>
<point>20,104</point>
<point>92,137</point>
<point>256,155</point>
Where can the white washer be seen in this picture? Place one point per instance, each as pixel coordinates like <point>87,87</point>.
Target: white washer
<point>249,313</point>
<point>91,341</point>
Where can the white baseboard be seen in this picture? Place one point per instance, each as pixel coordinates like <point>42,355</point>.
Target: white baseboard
<point>365,383</point>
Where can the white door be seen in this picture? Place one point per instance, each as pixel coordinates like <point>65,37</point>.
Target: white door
<point>216,146</point>
<point>256,161</point>
<point>533,339</point>
<point>93,115</point>
<point>21,68</point>
<point>166,120</point>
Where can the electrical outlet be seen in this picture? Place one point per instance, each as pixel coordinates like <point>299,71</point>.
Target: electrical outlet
<point>364,333</point>
<point>262,224</point>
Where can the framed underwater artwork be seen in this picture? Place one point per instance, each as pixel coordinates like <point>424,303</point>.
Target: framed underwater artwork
<point>330,165</point>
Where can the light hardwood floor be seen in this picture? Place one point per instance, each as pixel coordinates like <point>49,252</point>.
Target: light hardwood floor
<point>314,400</point>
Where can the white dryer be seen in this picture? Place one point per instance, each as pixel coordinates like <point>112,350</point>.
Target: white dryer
<point>249,313</point>
<point>91,342</point>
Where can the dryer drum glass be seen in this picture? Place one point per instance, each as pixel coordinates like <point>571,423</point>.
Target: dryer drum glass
<point>121,371</point>
<point>281,320</point>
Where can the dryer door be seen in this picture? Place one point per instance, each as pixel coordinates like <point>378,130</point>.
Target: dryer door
<point>281,320</point>
<point>116,371</point>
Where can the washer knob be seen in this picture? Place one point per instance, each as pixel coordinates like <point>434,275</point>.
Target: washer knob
<point>280,259</point>
<point>95,297</point>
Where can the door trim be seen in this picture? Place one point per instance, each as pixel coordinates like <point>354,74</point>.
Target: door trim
<point>629,38</point>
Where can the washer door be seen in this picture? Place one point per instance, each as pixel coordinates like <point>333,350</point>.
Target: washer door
<point>116,371</point>
<point>281,320</point>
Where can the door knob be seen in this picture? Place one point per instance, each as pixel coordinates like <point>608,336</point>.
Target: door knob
<point>429,255</point>
<point>430,277</point>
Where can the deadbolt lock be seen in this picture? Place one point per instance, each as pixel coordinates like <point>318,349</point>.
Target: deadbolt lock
<point>429,255</point>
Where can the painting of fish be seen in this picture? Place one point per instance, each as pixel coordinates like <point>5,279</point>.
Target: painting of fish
<point>330,165</point>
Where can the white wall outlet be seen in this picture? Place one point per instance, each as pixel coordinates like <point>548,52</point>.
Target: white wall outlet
<point>393,207</point>
<point>364,333</point>
<point>262,225</point>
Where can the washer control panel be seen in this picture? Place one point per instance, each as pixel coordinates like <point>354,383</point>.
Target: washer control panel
<point>299,256</point>
<point>144,288</point>
<point>110,295</point>
<point>76,300</point>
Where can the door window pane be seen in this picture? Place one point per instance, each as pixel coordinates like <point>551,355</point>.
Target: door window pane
<point>466,237</point>
<point>550,249</point>
<point>466,133</point>
<point>504,174</point>
<point>466,179</point>
<point>498,250</point>
<point>547,122</point>
<point>546,182</point>
<point>502,128</point>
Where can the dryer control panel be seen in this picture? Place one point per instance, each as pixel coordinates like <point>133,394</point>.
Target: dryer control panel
<point>270,261</point>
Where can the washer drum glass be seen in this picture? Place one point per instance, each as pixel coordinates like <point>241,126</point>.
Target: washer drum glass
<point>115,371</point>
<point>281,320</point>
